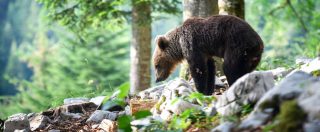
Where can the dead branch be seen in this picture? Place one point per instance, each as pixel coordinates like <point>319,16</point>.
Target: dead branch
<point>297,15</point>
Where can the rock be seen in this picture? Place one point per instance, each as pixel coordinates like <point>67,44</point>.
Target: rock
<point>71,115</point>
<point>312,126</point>
<point>97,100</point>
<point>99,115</point>
<point>218,82</point>
<point>181,105</point>
<point>280,72</point>
<point>177,88</point>
<point>289,88</point>
<point>309,100</point>
<point>94,126</point>
<point>171,101</point>
<point>152,93</point>
<point>303,60</point>
<point>122,113</point>
<point>75,100</point>
<point>23,130</point>
<point>166,115</point>
<point>140,125</point>
<point>38,122</point>
<point>108,125</point>
<point>77,107</point>
<point>246,90</point>
<point>230,109</point>
<point>16,122</point>
<point>142,122</point>
<point>112,104</point>
<point>210,111</point>
<point>224,127</point>
<point>127,110</point>
<point>311,67</point>
<point>31,115</point>
<point>223,79</point>
<point>53,130</point>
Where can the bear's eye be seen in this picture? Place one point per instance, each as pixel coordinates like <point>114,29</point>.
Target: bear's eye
<point>157,66</point>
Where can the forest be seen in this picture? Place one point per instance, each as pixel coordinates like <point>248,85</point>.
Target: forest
<point>52,50</point>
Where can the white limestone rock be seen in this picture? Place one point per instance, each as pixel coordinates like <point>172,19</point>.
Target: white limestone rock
<point>97,100</point>
<point>17,122</point>
<point>289,88</point>
<point>75,100</point>
<point>99,115</point>
<point>246,90</point>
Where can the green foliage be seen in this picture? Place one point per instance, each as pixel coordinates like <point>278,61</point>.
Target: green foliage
<point>121,94</point>
<point>269,127</point>
<point>79,15</point>
<point>166,6</point>
<point>231,118</point>
<point>124,123</point>
<point>182,121</point>
<point>125,120</point>
<point>94,67</point>
<point>188,117</point>
<point>124,90</point>
<point>268,63</point>
<point>191,116</point>
<point>246,109</point>
<point>142,114</point>
<point>201,99</point>
<point>289,28</point>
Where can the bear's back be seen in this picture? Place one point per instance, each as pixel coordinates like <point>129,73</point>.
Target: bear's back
<point>215,33</point>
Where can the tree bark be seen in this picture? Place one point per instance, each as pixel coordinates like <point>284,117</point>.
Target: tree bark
<point>197,8</point>
<point>232,7</point>
<point>140,52</point>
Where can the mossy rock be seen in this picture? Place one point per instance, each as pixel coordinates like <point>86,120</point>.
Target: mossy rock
<point>291,117</point>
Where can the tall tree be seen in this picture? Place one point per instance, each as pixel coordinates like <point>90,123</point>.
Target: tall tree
<point>197,8</point>
<point>81,15</point>
<point>140,53</point>
<point>12,33</point>
<point>232,7</point>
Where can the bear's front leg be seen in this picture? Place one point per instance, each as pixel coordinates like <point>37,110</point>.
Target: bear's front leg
<point>211,76</point>
<point>199,72</point>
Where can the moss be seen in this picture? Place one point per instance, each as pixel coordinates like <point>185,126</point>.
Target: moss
<point>316,73</point>
<point>272,103</point>
<point>158,104</point>
<point>291,117</point>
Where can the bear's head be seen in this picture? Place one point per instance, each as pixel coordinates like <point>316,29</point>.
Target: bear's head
<point>163,63</point>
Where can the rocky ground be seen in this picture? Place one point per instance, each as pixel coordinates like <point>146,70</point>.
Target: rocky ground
<point>275,100</point>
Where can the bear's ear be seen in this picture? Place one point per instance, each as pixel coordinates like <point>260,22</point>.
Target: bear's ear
<point>162,42</point>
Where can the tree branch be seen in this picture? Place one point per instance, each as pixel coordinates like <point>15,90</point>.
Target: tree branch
<point>283,5</point>
<point>288,3</point>
<point>298,16</point>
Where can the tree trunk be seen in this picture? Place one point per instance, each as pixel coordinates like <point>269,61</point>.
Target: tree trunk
<point>197,8</point>
<point>140,46</point>
<point>231,7</point>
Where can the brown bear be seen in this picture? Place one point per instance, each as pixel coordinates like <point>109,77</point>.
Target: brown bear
<point>198,39</point>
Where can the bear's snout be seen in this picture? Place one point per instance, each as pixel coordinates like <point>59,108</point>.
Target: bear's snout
<point>159,80</point>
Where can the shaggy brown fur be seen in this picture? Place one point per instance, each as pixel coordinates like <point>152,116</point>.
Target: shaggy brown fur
<point>198,39</point>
